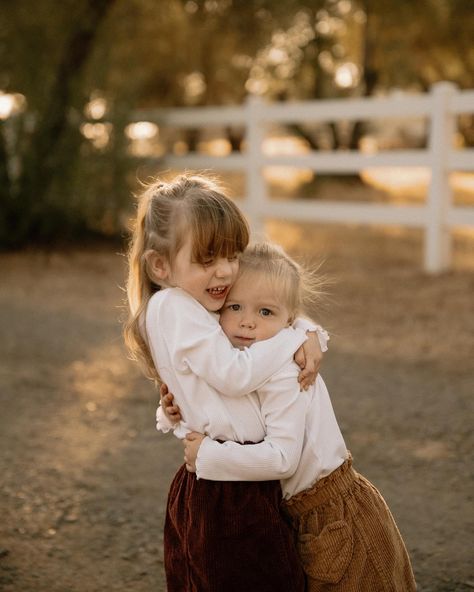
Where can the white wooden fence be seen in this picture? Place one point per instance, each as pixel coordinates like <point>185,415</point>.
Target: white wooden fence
<point>437,216</point>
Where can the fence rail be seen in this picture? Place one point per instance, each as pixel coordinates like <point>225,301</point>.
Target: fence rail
<point>437,216</point>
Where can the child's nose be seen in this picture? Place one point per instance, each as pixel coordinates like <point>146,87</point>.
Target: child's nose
<point>223,269</point>
<point>247,322</point>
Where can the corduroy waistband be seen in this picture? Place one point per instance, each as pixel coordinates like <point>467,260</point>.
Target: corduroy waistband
<point>340,481</point>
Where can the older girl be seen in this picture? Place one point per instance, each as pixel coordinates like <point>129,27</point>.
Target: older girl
<point>183,260</point>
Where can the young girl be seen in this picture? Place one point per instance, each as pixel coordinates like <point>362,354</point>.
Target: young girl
<point>346,536</point>
<point>183,261</point>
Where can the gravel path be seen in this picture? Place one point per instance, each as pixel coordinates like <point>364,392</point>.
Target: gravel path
<point>84,474</point>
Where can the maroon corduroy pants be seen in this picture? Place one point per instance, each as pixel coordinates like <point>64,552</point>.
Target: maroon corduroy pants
<point>228,536</point>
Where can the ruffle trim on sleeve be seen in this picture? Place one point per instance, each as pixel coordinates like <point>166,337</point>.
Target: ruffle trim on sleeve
<point>323,337</point>
<point>162,422</point>
<point>308,325</point>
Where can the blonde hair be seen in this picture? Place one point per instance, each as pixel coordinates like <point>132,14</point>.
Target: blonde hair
<point>167,213</point>
<point>298,288</point>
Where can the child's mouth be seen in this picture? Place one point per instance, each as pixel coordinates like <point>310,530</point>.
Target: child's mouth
<point>244,340</point>
<point>219,292</point>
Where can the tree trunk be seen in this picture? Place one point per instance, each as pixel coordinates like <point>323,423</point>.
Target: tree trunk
<point>6,187</point>
<point>369,71</point>
<point>235,138</point>
<point>45,154</point>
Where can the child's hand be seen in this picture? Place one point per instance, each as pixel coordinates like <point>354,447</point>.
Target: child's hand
<point>192,442</point>
<point>171,411</point>
<point>309,357</point>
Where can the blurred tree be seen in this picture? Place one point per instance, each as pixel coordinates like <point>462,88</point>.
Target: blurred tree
<point>362,47</point>
<point>187,53</point>
<point>45,50</point>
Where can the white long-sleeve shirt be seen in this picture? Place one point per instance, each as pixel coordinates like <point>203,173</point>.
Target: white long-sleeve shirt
<point>192,354</point>
<point>196,360</point>
<point>303,442</point>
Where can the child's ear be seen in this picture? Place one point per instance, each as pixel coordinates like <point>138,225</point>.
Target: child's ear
<point>157,266</point>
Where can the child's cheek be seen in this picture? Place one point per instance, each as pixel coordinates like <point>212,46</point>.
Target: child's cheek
<point>236,271</point>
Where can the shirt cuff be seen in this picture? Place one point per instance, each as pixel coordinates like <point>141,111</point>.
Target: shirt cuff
<point>206,463</point>
<point>308,325</point>
<point>163,424</point>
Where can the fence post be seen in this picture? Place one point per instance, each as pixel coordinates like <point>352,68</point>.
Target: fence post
<point>256,187</point>
<point>437,255</point>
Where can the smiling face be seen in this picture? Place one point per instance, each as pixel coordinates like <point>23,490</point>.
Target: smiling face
<point>208,282</point>
<point>252,312</point>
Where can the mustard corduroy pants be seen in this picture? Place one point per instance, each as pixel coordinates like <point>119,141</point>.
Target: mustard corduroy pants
<point>347,538</point>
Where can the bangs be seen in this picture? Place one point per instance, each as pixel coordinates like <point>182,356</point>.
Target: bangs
<point>218,231</point>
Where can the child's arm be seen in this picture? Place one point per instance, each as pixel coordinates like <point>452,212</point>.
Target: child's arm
<point>283,408</point>
<point>309,356</point>
<point>197,344</point>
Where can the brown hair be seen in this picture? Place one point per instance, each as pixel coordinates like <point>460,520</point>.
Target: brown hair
<point>294,285</point>
<point>168,212</point>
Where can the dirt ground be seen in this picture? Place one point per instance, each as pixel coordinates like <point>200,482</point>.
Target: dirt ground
<point>84,474</point>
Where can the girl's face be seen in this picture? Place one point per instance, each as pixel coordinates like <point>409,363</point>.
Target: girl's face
<point>252,312</point>
<point>210,283</point>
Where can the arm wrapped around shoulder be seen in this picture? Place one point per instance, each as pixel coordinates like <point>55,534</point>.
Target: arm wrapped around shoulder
<point>197,344</point>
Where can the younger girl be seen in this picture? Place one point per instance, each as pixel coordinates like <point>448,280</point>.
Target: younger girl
<point>183,261</point>
<point>347,538</point>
